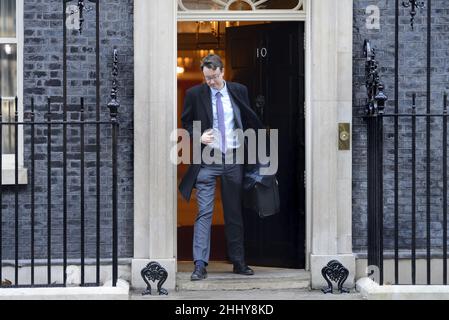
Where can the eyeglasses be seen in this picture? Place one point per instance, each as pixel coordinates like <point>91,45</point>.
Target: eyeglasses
<point>214,77</point>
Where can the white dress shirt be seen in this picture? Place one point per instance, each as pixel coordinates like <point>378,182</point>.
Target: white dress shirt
<point>231,139</point>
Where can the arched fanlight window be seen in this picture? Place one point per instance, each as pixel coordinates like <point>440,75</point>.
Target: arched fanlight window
<point>240,5</point>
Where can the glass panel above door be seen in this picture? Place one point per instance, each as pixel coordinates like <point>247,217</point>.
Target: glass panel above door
<point>7,18</point>
<point>240,5</point>
<point>8,70</point>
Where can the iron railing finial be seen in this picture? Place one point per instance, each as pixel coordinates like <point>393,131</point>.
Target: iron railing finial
<point>376,97</point>
<point>114,104</point>
<point>413,4</point>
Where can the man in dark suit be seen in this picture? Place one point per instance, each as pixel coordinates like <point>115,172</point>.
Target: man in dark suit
<point>221,107</point>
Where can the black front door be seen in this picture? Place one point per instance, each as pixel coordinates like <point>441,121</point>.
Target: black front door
<point>269,60</point>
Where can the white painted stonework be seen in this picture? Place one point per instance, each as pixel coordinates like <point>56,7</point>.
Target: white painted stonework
<point>405,271</point>
<point>73,273</point>
<point>372,291</point>
<point>154,119</point>
<point>121,292</point>
<point>328,102</point>
<point>329,188</point>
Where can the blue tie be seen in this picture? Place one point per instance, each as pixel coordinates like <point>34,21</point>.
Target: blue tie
<point>221,122</point>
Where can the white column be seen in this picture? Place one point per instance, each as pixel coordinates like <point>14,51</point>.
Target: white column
<point>324,125</point>
<point>154,120</point>
<point>344,109</point>
<point>331,96</point>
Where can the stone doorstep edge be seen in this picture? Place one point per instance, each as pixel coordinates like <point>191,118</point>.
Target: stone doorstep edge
<point>68,293</point>
<point>372,291</point>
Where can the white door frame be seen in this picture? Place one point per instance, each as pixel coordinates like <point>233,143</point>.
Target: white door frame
<point>271,15</point>
<point>328,26</point>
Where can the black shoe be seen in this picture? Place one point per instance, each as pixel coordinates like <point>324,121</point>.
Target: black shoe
<point>199,273</point>
<point>241,268</point>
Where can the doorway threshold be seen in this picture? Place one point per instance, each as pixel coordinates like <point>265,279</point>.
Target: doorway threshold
<point>220,277</point>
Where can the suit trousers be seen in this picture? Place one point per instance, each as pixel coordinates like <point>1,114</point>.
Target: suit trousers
<point>231,192</point>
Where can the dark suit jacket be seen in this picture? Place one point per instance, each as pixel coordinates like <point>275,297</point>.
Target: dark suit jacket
<point>198,107</point>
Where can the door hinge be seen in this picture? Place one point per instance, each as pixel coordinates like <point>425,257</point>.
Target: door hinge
<point>305,180</point>
<point>305,41</point>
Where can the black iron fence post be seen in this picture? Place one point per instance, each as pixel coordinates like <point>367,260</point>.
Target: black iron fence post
<point>33,175</point>
<point>374,111</point>
<point>375,192</point>
<point>445,189</point>
<point>113,106</point>
<point>49,159</point>
<point>16,190</point>
<point>1,187</point>
<point>82,194</point>
<point>98,132</point>
<point>64,142</point>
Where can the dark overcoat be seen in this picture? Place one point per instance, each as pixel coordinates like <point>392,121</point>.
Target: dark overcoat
<point>198,107</point>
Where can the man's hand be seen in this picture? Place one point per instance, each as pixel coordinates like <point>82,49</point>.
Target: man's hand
<point>207,137</point>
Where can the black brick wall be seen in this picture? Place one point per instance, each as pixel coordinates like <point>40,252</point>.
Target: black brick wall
<point>43,65</point>
<point>43,76</point>
<point>412,78</point>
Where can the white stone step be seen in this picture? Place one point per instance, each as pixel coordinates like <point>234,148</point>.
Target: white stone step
<point>264,278</point>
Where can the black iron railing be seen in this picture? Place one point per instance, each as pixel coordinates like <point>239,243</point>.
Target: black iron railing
<point>46,126</point>
<point>374,110</point>
<point>82,8</point>
<point>416,226</point>
<point>63,135</point>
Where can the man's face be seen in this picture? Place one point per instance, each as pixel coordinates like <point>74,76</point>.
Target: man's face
<point>214,78</point>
